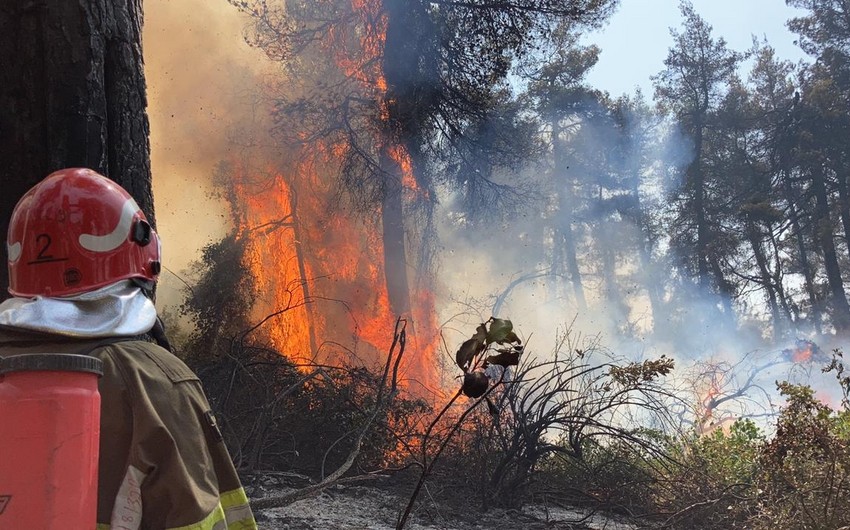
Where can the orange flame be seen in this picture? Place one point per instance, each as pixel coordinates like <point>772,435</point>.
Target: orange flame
<point>324,270</point>
<point>802,354</point>
<point>709,387</point>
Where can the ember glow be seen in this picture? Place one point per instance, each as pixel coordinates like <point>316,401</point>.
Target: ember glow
<point>709,388</point>
<point>802,355</point>
<point>805,351</point>
<point>321,268</point>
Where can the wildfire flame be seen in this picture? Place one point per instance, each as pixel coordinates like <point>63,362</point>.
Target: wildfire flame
<point>802,355</point>
<point>709,388</point>
<point>804,351</point>
<point>322,270</point>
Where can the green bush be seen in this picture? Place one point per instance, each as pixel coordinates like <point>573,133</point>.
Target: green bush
<point>804,480</point>
<point>713,480</point>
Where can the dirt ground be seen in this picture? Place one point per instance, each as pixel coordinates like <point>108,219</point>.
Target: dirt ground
<point>371,508</point>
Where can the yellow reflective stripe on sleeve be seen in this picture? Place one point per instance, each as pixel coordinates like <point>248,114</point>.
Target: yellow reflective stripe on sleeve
<point>237,510</point>
<point>232,513</point>
<point>213,521</point>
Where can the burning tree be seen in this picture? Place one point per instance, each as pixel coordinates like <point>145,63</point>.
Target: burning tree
<point>385,103</point>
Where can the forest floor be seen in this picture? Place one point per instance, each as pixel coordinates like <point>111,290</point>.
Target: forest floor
<point>378,508</point>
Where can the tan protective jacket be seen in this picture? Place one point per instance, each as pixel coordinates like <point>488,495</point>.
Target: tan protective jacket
<point>163,464</point>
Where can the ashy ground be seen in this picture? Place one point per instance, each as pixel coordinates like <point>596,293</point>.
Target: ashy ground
<point>370,508</point>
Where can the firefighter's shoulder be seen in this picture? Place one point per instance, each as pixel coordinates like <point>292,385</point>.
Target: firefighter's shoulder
<point>148,362</point>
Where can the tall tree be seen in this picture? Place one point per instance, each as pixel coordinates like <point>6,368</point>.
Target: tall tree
<point>698,70</point>
<point>774,95</point>
<point>425,76</point>
<point>812,153</point>
<point>825,32</point>
<point>72,94</point>
<point>824,135</point>
<point>741,162</point>
<point>638,127</point>
<point>566,104</point>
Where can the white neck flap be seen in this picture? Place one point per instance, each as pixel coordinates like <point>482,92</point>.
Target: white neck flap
<point>120,309</point>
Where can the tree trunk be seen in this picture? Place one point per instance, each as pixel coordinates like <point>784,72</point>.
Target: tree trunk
<point>616,308</point>
<point>649,276</point>
<point>302,266</point>
<point>696,180</point>
<point>410,68</point>
<point>766,279</point>
<point>802,250</point>
<point>784,298</point>
<point>844,205</point>
<point>395,253</point>
<point>824,229</point>
<point>565,245</point>
<point>72,94</point>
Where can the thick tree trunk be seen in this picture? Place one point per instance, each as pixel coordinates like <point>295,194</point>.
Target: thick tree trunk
<point>395,253</point>
<point>649,275</point>
<point>696,180</point>
<point>616,308</point>
<point>302,266</point>
<point>72,94</point>
<point>844,205</point>
<point>409,67</point>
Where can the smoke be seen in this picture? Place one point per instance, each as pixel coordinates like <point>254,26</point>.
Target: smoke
<point>510,268</point>
<point>204,106</point>
<point>202,87</point>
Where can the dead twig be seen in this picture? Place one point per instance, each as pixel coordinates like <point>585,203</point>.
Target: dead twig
<point>277,501</point>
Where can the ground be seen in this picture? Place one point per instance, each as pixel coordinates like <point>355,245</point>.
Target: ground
<point>377,508</point>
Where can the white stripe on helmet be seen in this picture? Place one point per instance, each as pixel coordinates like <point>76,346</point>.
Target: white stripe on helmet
<point>13,251</point>
<point>114,239</point>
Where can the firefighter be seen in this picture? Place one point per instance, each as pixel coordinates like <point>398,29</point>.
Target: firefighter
<point>83,261</point>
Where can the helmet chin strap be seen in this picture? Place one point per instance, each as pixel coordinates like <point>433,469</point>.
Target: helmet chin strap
<point>146,286</point>
<point>157,332</point>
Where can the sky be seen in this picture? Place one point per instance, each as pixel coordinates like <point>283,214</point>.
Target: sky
<point>635,41</point>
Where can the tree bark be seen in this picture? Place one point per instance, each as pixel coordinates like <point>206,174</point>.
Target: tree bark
<point>696,180</point>
<point>395,252</point>
<point>844,204</point>
<point>824,229</point>
<point>410,68</point>
<point>72,94</point>
<point>765,278</point>
<point>803,260</point>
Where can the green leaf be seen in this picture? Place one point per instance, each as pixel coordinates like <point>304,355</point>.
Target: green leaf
<point>499,330</point>
<point>467,352</point>
<point>506,357</point>
<point>512,338</point>
<point>480,334</point>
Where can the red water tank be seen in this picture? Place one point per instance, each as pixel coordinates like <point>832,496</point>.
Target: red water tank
<point>49,436</point>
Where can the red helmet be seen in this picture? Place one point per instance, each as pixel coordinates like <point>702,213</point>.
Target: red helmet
<point>76,231</point>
